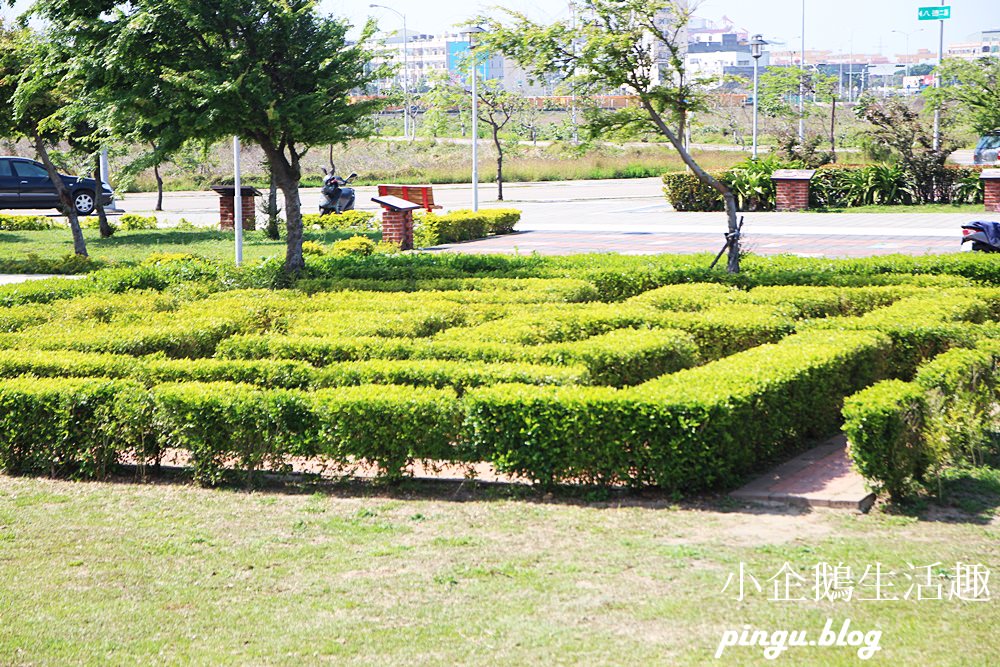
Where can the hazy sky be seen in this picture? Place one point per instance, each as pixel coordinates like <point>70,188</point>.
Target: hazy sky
<point>830,24</point>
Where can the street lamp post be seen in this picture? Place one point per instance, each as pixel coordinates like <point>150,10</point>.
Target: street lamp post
<point>802,65</point>
<point>473,32</point>
<point>756,50</point>
<point>906,51</point>
<point>406,72</point>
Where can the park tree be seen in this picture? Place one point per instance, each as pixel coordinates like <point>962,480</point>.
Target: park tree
<point>969,91</point>
<point>34,93</point>
<point>637,45</point>
<point>273,72</point>
<point>901,130</point>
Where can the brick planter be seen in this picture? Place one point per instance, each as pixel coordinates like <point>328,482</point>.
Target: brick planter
<point>227,207</point>
<point>991,189</point>
<point>397,219</point>
<point>792,189</point>
<point>397,227</point>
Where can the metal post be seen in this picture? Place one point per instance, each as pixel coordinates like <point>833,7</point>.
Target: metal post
<point>576,134</point>
<point>850,74</point>
<point>407,121</point>
<point>407,124</point>
<point>802,66</point>
<point>237,201</point>
<point>756,45</point>
<point>937,84</point>
<point>475,135</point>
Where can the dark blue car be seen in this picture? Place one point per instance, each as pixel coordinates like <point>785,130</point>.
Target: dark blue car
<point>24,183</point>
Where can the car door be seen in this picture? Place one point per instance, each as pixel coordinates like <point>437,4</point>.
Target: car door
<point>8,185</point>
<point>35,186</point>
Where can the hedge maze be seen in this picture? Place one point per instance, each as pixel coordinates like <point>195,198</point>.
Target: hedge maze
<point>684,387</point>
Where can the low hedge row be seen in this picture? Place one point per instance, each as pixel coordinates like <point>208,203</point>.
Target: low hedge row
<point>617,358</point>
<point>920,327</point>
<point>901,432</point>
<point>431,229</point>
<point>290,374</point>
<point>694,429</point>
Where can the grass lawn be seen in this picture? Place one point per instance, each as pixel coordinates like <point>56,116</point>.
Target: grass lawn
<point>168,573</point>
<point>133,247</point>
<point>918,208</point>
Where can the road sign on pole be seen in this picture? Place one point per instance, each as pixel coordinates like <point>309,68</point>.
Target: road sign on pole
<point>934,13</point>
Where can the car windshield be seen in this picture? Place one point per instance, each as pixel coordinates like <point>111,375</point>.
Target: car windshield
<point>989,142</point>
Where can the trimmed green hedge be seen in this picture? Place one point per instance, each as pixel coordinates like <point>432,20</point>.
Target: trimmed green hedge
<point>901,431</point>
<point>74,427</point>
<point>431,229</point>
<point>693,429</point>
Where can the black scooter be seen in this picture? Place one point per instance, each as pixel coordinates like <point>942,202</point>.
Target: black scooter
<point>983,235</point>
<point>337,197</point>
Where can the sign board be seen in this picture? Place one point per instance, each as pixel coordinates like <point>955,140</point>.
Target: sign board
<point>934,13</point>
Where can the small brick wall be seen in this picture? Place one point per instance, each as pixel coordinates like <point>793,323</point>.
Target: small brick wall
<point>991,194</point>
<point>792,195</point>
<point>227,213</point>
<point>397,227</point>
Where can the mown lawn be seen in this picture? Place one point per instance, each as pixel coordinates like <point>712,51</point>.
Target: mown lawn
<point>168,573</point>
<point>133,247</point>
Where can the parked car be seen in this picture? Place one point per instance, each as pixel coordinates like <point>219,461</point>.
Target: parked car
<point>987,148</point>
<point>25,183</point>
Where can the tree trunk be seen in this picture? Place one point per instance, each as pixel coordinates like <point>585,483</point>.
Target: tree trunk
<point>833,126</point>
<point>66,206</point>
<point>159,186</point>
<point>733,236</point>
<point>499,147</point>
<point>102,217</point>
<point>272,207</point>
<point>294,262</point>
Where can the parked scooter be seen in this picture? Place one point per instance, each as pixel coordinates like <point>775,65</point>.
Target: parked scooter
<point>337,197</point>
<point>983,235</point>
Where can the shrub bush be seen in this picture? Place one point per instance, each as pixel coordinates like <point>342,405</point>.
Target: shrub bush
<point>360,221</point>
<point>388,425</point>
<point>901,431</point>
<point>222,422</point>
<point>432,229</point>
<point>27,223</point>
<point>130,222</point>
<point>75,427</point>
<point>883,424</point>
<point>686,193</point>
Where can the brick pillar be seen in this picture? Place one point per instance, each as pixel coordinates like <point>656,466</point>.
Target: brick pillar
<point>397,227</point>
<point>991,189</point>
<point>792,189</point>
<point>227,213</point>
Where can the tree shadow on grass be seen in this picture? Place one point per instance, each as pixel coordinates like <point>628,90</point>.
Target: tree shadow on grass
<point>964,495</point>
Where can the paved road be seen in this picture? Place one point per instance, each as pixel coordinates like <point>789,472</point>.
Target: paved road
<point>631,216</point>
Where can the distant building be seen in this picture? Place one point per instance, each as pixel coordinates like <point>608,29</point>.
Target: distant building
<point>985,44</point>
<point>426,54</point>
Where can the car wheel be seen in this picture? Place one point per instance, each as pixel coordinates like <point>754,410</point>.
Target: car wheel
<point>83,200</point>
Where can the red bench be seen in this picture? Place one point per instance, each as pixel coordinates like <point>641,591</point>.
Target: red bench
<point>418,194</point>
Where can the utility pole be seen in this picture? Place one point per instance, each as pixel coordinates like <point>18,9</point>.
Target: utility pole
<point>937,84</point>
